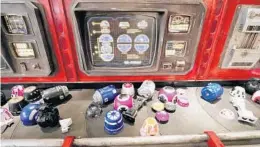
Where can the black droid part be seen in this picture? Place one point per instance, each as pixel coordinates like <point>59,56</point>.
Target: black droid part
<point>94,110</point>
<point>170,107</point>
<point>48,116</point>
<point>59,92</point>
<point>32,94</point>
<point>3,98</point>
<point>130,115</point>
<point>252,86</point>
<point>16,105</point>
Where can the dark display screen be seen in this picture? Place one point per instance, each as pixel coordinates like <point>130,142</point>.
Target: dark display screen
<point>121,40</point>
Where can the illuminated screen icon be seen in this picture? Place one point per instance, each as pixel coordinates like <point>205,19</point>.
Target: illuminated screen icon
<point>15,24</point>
<point>179,24</point>
<point>24,50</point>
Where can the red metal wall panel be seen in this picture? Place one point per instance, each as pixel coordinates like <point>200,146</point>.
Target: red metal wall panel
<point>212,71</point>
<point>60,74</point>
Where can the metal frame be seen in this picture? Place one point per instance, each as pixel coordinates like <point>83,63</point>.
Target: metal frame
<point>134,141</point>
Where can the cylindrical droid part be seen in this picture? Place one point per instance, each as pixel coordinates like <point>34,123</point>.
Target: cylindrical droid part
<point>128,88</point>
<point>212,92</point>
<point>113,122</point>
<point>54,92</point>
<point>105,94</point>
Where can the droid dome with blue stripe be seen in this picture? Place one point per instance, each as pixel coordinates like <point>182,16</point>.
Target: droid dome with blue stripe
<point>113,122</point>
<point>212,92</point>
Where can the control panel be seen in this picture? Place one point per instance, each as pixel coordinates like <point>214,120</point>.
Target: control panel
<point>24,49</point>
<point>137,40</point>
<point>242,49</point>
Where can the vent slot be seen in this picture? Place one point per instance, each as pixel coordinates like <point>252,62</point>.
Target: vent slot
<point>242,64</point>
<point>249,40</point>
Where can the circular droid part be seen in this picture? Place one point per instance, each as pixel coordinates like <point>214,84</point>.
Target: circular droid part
<point>29,114</point>
<point>33,95</point>
<point>170,107</point>
<point>167,94</point>
<point>123,102</point>
<point>157,106</point>
<point>162,117</point>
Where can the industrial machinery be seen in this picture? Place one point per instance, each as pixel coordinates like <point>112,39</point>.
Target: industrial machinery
<point>29,47</point>
<point>107,41</point>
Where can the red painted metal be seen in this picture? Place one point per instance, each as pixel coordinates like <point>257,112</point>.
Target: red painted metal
<point>213,71</point>
<point>213,140</point>
<point>60,75</point>
<point>68,141</point>
<point>218,18</point>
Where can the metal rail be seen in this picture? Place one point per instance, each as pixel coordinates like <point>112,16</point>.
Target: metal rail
<point>120,141</point>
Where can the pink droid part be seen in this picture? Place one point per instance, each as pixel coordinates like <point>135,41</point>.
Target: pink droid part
<point>128,88</point>
<point>162,116</point>
<point>17,90</point>
<point>256,97</point>
<point>182,98</point>
<point>183,101</point>
<point>181,92</point>
<point>123,102</point>
<point>167,94</point>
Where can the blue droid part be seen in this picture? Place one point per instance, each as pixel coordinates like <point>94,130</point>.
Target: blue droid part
<point>113,122</point>
<point>212,92</point>
<point>105,94</point>
<point>29,114</point>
